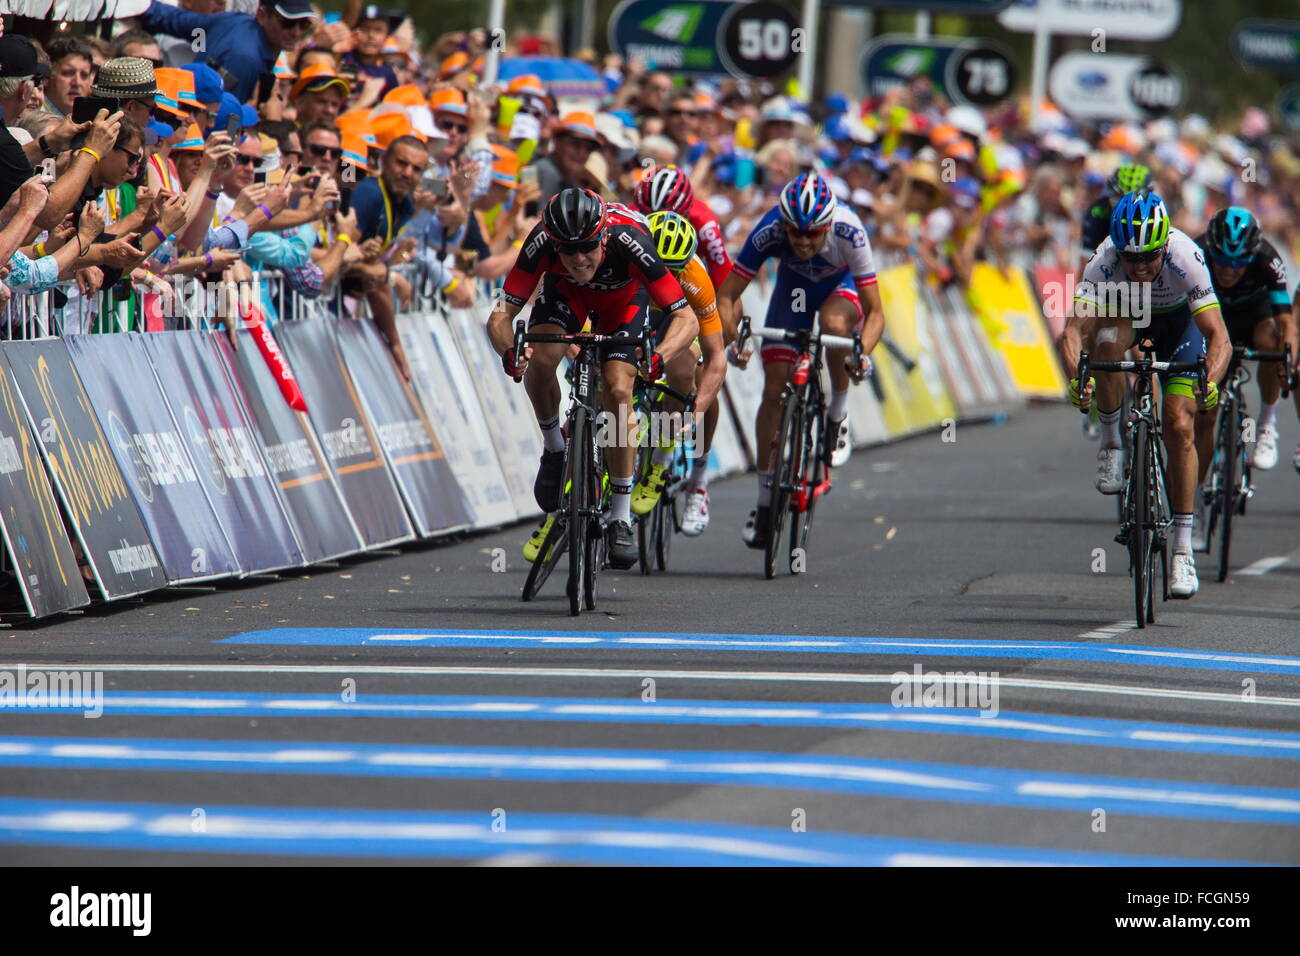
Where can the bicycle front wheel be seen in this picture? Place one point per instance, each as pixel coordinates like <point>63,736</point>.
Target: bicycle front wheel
<point>579,508</point>
<point>1139,540</point>
<point>787,444</point>
<point>812,467</point>
<point>1231,453</point>
<point>553,548</point>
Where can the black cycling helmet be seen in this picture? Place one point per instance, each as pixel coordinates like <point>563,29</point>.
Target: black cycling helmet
<point>574,215</point>
<point>1234,235</point>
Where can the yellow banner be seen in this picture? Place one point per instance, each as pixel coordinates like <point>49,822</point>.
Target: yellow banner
<point>1005,305</point>
<point>917,400</point>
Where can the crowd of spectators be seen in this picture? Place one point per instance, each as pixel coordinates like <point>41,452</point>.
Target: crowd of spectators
<point>329,149</point>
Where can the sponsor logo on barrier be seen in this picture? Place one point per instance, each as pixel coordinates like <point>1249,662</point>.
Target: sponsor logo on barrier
<point>347,441</point>
<point>289,456</point>
<point>21,689</point>
<point>130,559</point>
<point>404,435</point>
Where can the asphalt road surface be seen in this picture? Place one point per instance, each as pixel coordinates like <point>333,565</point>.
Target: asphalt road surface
<point>409,708</point>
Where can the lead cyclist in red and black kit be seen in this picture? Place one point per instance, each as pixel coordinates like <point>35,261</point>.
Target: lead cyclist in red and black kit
<point>593,258</point>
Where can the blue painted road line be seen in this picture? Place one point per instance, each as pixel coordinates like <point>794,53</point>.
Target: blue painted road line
<point>894,647</point>
<point>897,779</point>
<point>1048,728</point>
<point>536,837</point>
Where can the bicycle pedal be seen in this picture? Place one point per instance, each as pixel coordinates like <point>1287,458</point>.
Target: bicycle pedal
<point>1122,537</point>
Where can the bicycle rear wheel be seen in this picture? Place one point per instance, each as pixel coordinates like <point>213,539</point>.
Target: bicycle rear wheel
<point>1139,540</point>
<point>579,507</point>
<point>1231,453</point>
<point>644,530</point>
<point>553,548</point>
<point>787,444</point>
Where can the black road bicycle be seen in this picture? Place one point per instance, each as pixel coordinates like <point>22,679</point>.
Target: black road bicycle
<point>1229,477</point>
<point>655,530</point>
<point>579,526</point>
<point>1144,527</point>
<point>801,454</point>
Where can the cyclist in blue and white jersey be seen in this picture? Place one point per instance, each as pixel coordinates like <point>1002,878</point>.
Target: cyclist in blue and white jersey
<point>825,270</point>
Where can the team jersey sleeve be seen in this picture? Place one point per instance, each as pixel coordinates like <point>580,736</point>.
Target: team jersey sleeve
<point>712,245</point>
<point>700,293</point>
<point>1096,227</point>
<point>1200,285</point>
<point>644,264</point>
<point>853,235</point>
<point>1275,275</point>
<point>532,261</point>
<point>765,240</point>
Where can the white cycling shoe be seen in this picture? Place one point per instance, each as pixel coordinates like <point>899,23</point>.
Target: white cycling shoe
<point>1183,582</point>
<point>1110,471</point>
<point>1265,456</point>
<point>695,516</point>
<point>843,442</point>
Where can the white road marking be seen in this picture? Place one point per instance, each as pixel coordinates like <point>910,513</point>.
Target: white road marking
<point>1107,632</point>
<point>1263,565</point>
<point>420,670</point>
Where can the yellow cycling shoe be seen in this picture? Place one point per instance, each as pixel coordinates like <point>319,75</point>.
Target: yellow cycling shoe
<point>646,493</point>
<point>533,546</point>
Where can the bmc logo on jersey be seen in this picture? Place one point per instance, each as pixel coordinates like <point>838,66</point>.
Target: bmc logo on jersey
<point>535,246</point>
<point>638,250</point>
<point>851,233</point>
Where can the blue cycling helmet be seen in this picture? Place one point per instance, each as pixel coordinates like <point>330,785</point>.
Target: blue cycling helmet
<point>1139,223</point>
<point>1233,235</point>
<point>807,202</point>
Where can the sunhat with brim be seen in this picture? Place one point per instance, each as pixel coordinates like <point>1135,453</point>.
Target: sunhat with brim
<point>926,175</point>
<point>282,69</point>
<point>207,84</point>
<point>354,149</point>
<point>453,65</point>
<point>422,119</point>
<point>448,101</point>
<point>171,83</point>
<point>160,129</point>
<point>407,95</point>
<point>193,141</point>
<point>505,166</point>
<point>125,78</point>
<point>390,126</point>
<point>356,121</point>
<point>317,77</point>
<point>579,124</point>
<point>526,84</point>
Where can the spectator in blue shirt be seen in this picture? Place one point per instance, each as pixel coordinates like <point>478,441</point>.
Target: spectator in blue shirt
<point>243,46</point>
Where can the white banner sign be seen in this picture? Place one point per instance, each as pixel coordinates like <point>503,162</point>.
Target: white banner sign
<point>1112,86</point>
<point>1122,19</point>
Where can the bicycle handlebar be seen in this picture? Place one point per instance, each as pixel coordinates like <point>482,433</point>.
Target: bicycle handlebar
<point>1142,366</point>
<point>581,339</point>
<point>746,329</point>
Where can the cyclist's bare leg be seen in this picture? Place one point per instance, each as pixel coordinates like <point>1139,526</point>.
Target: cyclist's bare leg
<point>775,376</point>
<point>616,398</point>
<point>1268,338</point>
<point>1108,342</point>
<point>839,316</point>
<point>1205,428</point>
<point>540,382</point>
<point>1177,413</point>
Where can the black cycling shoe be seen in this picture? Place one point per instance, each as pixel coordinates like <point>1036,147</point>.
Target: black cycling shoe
<point>620,545</point>
<point>550,481</point>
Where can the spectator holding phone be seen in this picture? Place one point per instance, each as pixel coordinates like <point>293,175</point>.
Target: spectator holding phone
<point>72,66</point>
<point>323,148</point>
<point>131,81</point>
<point>243,46</point>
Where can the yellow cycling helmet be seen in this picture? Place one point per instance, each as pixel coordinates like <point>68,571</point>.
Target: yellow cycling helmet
<point>674,238</point>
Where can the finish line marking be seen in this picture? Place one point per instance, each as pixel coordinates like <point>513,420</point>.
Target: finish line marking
<point>801,677</point>
<point>1203,659</point>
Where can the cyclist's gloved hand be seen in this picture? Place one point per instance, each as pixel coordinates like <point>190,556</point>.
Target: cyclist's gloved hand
<point>1211,399</point>
<point>1076,399</point>
<point>656,368</point>
<point>513,368</point>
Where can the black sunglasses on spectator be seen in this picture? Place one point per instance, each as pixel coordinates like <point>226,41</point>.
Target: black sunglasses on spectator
<point>132,158</point>
<point>299,23</point>
<point>449,127</point>
<point>683,113</point>
<point>325,152</point>
<point>245,160</point>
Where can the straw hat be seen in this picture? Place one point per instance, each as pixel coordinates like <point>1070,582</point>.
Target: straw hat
<point>126,77</point>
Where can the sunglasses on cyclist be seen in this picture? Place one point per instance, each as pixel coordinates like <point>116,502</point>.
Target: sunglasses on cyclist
<point>817,233</point>
<point>1230,263</point>
<point>574,248</point>
<point>1141,258</point>
<point>325,152</point>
